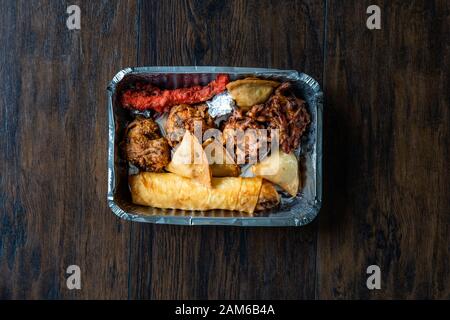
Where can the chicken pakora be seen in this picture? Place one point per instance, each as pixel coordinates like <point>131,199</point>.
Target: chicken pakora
<point>145,147</point>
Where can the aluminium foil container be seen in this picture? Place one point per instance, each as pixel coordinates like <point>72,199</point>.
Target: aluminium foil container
<point>293,211</point>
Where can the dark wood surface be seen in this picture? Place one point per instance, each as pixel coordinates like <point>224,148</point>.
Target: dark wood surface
<point>386,151</point>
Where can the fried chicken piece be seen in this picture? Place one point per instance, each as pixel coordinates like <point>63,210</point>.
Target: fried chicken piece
<point>186,117</point>
<point>283,111</point>
<point>287,113</point>
<point>146,96</point>
<point>239,123</point>
<point>145,147</point>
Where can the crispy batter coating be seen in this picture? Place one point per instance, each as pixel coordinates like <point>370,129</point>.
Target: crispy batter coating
<point>283,111</point>
<point>250,91</point>
<point>185,117</point>
<point>144,146</point>
<point>240,122</point>
<point>268,197</point>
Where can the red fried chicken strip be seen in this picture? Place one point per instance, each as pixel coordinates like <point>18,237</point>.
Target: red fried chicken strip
<point>146,96</point>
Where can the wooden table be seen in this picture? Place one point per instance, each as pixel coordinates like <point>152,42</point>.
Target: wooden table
<point>386,150</point>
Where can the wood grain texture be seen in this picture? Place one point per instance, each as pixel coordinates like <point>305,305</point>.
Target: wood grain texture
<point>386,152</point>
<point>53,160</point>
<point>221,262</point>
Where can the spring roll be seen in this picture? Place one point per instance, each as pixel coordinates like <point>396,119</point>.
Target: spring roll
<point>168,190</point>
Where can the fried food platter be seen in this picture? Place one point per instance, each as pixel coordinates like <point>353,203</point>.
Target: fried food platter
<point>152,112</point>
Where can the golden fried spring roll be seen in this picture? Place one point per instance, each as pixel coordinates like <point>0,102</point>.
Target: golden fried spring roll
<point>268,197</point>
<point>168,190</point>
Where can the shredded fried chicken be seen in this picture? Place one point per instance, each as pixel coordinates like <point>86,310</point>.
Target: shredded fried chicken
<point>185,117</point>
<point>144,146</point>
<point>283,111</point>
<point>239,121</point>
